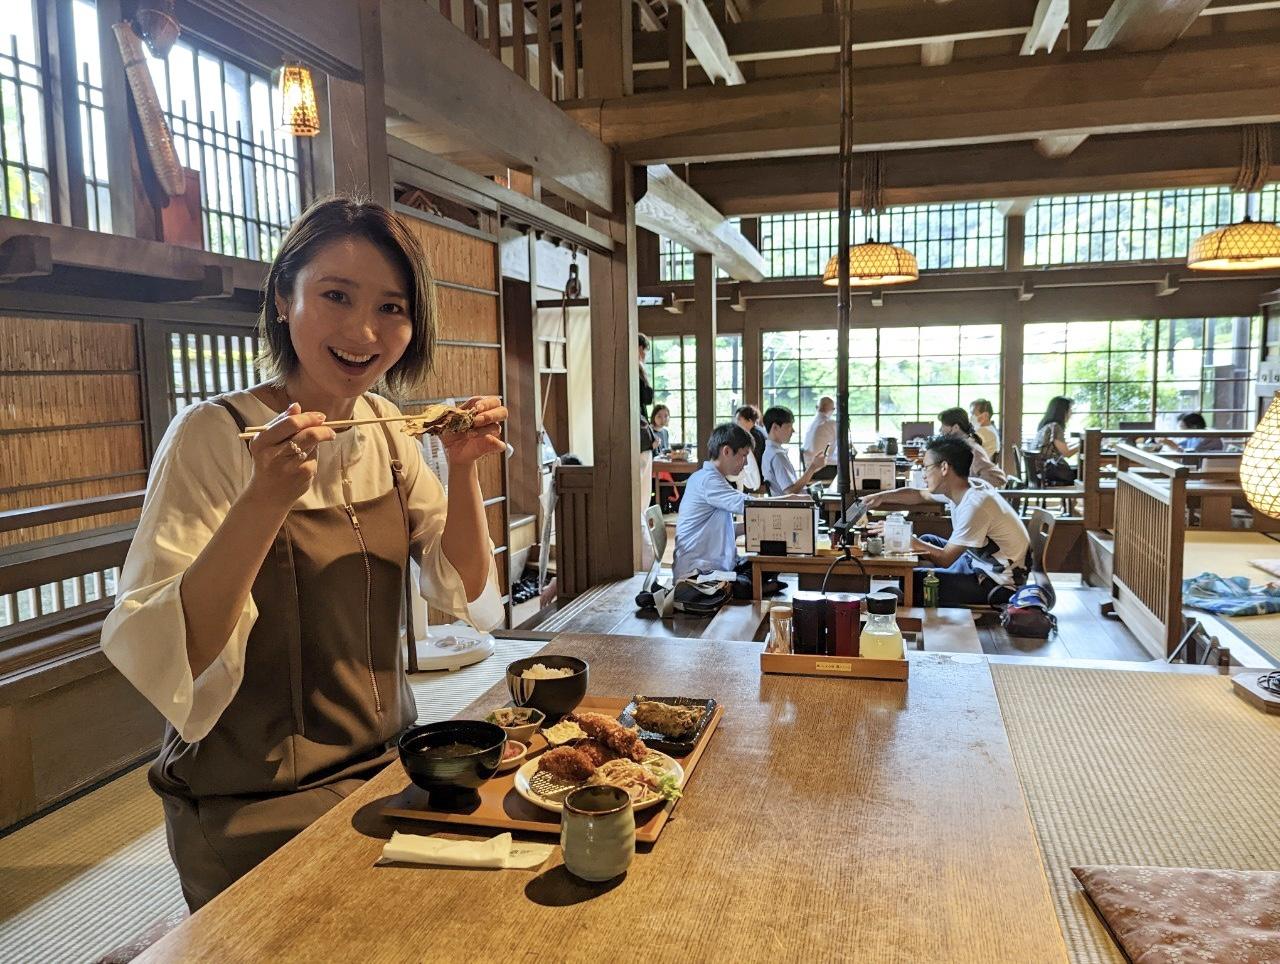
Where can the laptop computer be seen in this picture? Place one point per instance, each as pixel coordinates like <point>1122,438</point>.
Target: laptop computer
<point>914,430</point>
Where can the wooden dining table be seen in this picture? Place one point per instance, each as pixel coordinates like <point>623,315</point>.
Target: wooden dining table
<point>829,819</point>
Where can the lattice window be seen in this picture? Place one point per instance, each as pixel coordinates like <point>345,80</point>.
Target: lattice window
<point>57,597</point>
<point>205,362</point>
<point>942,236</point>
<point>1137,371</point>
<point>223,117</point>
<point>24,146</point>
<point>728,376</point>
<point>93,118</point>
<point>896,374</point>
<point>672,363</point>
<point>675,261</point>
<point>1135,225</point>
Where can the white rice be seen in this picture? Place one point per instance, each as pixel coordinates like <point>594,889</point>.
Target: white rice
<point>539,671</point>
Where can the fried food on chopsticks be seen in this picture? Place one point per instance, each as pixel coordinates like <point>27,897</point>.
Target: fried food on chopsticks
<point>671,721</point>
<point>567,763</point>
<point>438,419</point>
<point>612,734</point>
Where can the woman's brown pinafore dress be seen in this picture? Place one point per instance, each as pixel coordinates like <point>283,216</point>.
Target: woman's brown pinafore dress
<point>323,699</point>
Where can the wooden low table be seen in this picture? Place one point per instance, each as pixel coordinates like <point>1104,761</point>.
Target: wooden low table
<point>893,567</point>
<point>674,467</point>
<point>829,818</point>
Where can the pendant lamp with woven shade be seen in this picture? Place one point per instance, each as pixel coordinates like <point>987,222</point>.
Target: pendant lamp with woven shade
<point>1247,245</point>
<point>873,264</point>
<point>299,114</point>
<point>1260,463</point>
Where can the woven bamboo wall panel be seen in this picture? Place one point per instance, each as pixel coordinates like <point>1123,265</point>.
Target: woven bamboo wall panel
<point>457,257</point>
<point>462,371</point>
<point>73,454</point>
<point>32,344</point>
<point>467,315</point>
<point>31,401</point>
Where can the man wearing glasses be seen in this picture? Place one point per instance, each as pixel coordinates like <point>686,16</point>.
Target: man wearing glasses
<point>985,559</point>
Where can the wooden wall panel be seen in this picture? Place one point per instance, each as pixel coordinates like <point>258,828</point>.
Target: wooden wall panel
<point>490,472</point>
<point>61,344</point>
<point>454,256</point>
<point>48,400</point>
<point>467,315</point>
<point>462,371</point>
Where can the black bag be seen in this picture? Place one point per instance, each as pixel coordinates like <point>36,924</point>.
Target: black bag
<point>1056,471</point>
<point>647,437</point>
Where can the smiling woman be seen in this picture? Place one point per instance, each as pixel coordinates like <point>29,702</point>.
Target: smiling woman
<point>260,604</point>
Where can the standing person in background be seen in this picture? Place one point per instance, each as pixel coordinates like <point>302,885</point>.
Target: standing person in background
<point>748,419</point>
<point>647,438</point>
<point>658,420</point>
<point>956,423</point>
<point>778,472</point>
<point>988,434</point>
<point>820,438</point>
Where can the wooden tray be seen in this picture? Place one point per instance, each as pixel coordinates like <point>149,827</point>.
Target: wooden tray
<point>1246,687</point>
<point>504,809</point>
<point>850,667</point>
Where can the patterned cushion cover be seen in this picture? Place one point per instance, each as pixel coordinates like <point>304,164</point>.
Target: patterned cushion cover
<point>1179,914</point>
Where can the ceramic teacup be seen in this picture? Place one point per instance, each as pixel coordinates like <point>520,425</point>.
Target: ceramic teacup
<point>597,832</point>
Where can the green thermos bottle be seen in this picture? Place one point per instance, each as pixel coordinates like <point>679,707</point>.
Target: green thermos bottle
<point>931,590</point>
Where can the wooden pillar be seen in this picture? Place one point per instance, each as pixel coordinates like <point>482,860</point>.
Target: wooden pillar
<point>1011,387</point>
<point>752,358</point>
<point>351,151</point>
<point>704,302</point>
<point>1015,227</point>
<point>615,415</point>
<point>606,48</point>
<point>115,103</point>
<point>677,52</point>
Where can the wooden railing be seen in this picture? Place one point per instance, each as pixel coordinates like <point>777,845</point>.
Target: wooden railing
<point>73,565</point>
<point>1208,471</point>
<point>1150,509</point>
<point>548,58</point>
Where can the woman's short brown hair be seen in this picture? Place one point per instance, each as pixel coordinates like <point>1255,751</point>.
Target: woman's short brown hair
<point>333,219</point>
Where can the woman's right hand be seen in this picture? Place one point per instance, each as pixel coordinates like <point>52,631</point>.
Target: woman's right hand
<point>284,456</point>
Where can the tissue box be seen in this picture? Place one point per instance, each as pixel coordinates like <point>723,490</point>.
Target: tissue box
<point>790,522</point>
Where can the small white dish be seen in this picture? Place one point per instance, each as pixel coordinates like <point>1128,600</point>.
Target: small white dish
<point>510,763</point>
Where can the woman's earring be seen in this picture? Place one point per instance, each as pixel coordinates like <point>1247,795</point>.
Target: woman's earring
<point>282,319</point>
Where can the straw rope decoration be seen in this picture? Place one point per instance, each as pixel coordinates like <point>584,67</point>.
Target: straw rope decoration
<point>1255,159</point>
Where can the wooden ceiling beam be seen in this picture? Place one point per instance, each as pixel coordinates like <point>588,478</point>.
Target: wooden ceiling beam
<point>1125,162</point>
<point>1228,80</point>
<point>455,100</point>
<point>673,209</point>
<point>1131,25</point>
<point>707,43</point>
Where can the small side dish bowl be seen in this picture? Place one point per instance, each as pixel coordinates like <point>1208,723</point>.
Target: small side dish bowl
<point>452,759</point>
<point>514,755</point>
<point>521,732</point>
<point>553,696</point>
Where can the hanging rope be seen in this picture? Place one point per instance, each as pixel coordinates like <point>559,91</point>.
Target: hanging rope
<point>1255,158</point>
<point>872,183</point>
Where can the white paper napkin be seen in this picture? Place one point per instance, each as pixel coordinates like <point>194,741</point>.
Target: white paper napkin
<point>496,853</point>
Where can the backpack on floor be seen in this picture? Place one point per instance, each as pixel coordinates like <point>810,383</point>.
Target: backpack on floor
<point>687,596</point>
<point>1027,613</point>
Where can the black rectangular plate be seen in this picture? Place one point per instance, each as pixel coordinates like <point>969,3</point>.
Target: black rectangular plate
<point>664,744</point>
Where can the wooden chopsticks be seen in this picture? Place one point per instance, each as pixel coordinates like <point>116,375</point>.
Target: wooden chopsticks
<point>253,430</point>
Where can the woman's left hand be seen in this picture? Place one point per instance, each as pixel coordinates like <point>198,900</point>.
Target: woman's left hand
<point>483,438</point>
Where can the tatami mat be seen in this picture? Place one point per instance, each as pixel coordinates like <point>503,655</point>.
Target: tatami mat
<point>95,873</point>
<point>1140,768</point>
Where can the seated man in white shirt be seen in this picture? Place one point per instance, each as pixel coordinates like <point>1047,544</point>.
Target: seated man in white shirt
<point>982,413</point>
<point>985,559</point>
<point>706,535</point>
<point>776,468</point>
<point>820,437</point>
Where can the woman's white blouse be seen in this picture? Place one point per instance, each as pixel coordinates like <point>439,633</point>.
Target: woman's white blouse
<point>199,470</point>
